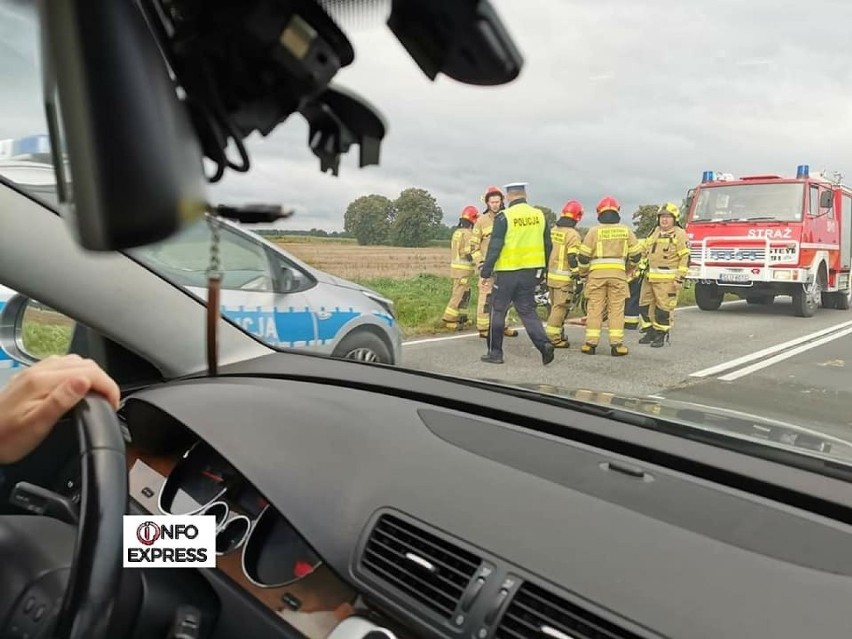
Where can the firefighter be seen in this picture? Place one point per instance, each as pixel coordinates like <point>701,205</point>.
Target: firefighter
<point>461,270</point>
<point>479,241</point>
<point>603,258</point>
<point>667,249</point>
<point>517,256</point>
<point>563,270</point>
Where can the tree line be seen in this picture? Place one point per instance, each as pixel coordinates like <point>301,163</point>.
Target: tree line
<point>415,219</point>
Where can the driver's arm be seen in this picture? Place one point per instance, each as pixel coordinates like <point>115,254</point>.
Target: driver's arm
<point>37,397</point>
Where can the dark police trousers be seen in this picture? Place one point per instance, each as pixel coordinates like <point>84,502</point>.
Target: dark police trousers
<point>518,288</point>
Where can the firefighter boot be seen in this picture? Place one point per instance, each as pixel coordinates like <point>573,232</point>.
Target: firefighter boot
<point>588,349</point>
<point>618,350</point>
<point>559,340</point>
<point>659,339</point>
<point>649,336</point>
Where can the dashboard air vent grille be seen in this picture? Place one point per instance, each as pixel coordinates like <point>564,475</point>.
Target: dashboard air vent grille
<point>535,612</point>
<point>430,570</point>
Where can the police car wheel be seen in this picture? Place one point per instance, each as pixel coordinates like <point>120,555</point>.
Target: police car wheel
<point>364,347</point>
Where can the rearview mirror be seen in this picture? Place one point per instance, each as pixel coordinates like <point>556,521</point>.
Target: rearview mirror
<point>132,157</point>
<point>826,199</point>
<point>31,331</point>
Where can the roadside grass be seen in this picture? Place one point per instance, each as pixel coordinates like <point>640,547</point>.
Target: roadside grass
<point>420,302</point>
<point>42,340</point>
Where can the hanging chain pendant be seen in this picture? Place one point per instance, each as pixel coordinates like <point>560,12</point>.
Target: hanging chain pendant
<point>214,280</point>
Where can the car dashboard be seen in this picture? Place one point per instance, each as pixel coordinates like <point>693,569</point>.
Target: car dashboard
<point>439,516</point>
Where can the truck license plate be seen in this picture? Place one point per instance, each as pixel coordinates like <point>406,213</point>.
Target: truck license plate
<point>735,278</point>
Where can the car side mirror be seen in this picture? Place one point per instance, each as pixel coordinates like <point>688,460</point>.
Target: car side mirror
<point>826,199</point>
<point>31,331</point>
<point>288,279</point>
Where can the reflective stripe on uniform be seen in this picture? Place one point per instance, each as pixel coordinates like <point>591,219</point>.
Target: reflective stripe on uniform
<point>560,276</point>
<point>607,262</point>
<point>661,274</point>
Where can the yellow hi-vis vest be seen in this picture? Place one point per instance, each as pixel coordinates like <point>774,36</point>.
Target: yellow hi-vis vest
<point>523,246</point>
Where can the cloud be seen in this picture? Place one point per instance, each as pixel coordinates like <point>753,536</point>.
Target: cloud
<point>617,98</point>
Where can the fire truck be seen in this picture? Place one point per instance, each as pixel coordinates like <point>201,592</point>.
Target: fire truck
<point>762,236</point>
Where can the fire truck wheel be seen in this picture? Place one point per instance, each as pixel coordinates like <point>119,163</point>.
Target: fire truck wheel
<point>806,299</point>
<point>708,297</point>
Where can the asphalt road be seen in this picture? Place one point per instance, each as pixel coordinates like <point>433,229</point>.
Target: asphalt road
<point>755,359</point>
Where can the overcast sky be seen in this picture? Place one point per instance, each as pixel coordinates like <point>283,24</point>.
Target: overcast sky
<point>616,97</point>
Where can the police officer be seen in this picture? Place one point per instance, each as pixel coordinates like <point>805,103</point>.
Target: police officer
<point>461,270</point>
<point>603,257</point>
<point>517,256</point>
<point>563,271</point>
<point>494,202</point>
<point>667,249</point>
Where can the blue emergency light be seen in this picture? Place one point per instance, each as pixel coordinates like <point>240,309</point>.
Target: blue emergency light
<point>707,177</point>
<point>802,171</point>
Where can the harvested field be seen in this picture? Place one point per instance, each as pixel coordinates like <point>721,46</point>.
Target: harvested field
<point>355,262</point>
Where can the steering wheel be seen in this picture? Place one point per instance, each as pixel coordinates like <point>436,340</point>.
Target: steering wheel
<point>41,595</point>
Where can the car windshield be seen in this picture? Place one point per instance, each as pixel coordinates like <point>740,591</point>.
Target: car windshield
<point>618,111</point>
<point>783,202</point>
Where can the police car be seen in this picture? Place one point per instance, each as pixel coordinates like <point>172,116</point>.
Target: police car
<point>266,290</point>
<point>274,295</point>
<point>277,297</point>
<point>7,364</point>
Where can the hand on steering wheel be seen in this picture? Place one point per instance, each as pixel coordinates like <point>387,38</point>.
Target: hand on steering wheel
<point>35,552</point>
<point>34,400</point>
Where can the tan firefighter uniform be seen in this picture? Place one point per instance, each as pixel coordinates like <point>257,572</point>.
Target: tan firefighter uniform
<point>478,250</point>
<point>461,270</point>
<point>668,264</point>
<point>603,257</point>
<point>562,272</point>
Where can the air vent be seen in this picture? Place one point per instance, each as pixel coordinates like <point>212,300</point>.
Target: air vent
<point>428,569</point>
<point>535,612</point>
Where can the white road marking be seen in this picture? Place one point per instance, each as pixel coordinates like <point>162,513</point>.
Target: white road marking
<point>745,359</point>
<point>782,356</point>
<point>429,340</point>
<point>446,338</point>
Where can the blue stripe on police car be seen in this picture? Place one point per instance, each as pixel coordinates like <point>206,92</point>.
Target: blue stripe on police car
<point>270,324</point>
<point>330,322</point>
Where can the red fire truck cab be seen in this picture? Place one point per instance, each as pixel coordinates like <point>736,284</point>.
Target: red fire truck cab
<point>762,236</point>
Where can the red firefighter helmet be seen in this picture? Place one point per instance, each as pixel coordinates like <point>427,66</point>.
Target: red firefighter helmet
<point>469,213</point>
<point>573,209</point>
<point>608,203</point>
<point>492,190</point>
